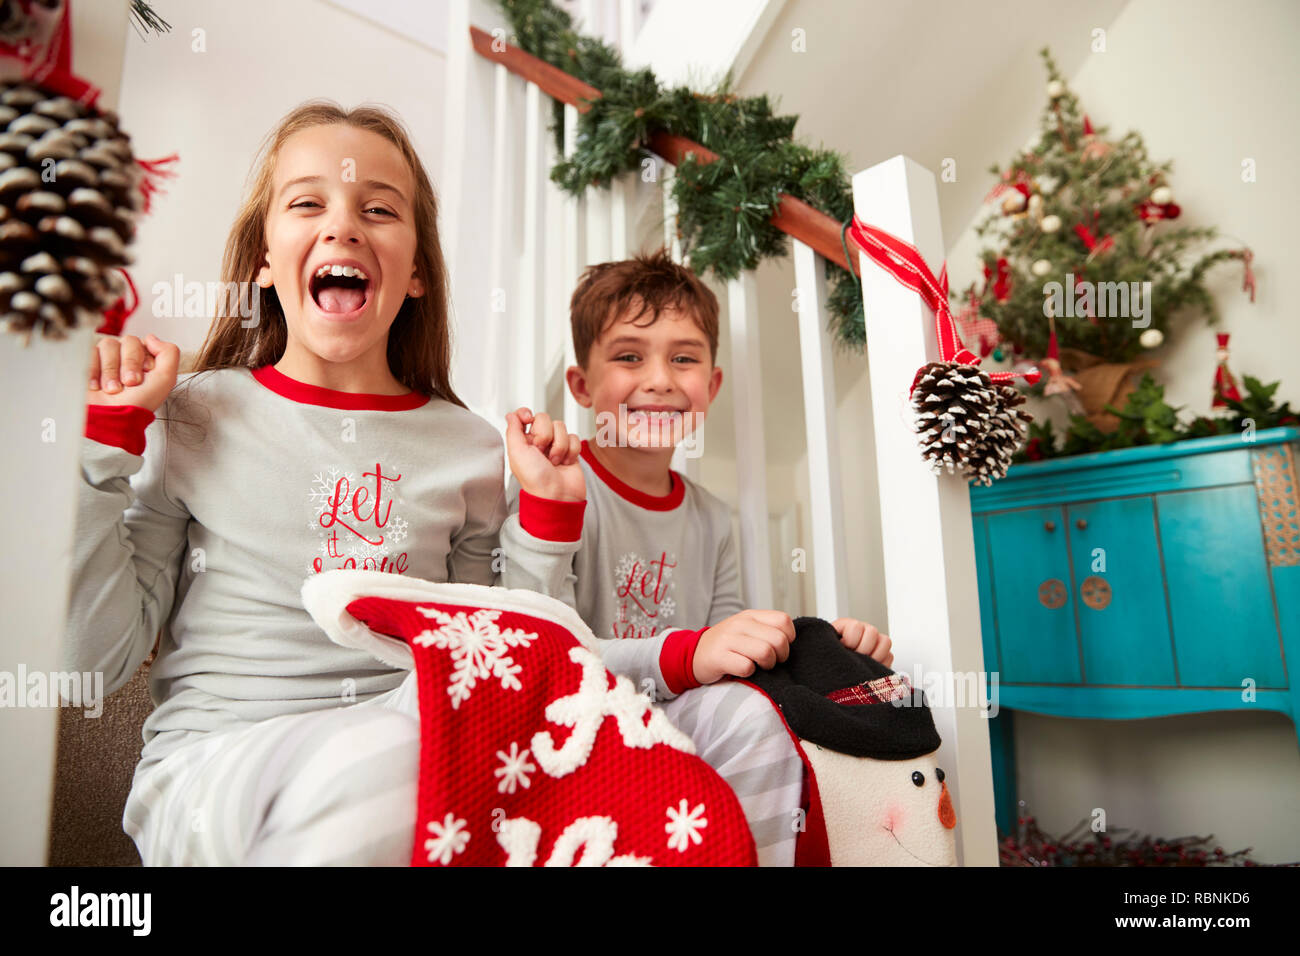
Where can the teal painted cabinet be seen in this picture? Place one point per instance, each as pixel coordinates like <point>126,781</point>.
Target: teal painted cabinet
<point>1140,583</point>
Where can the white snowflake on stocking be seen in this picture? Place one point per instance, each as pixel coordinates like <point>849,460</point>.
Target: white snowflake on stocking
<point>478,649</point>
<point>514,770</point>
<point>448,840</point>
<point>684,828</point>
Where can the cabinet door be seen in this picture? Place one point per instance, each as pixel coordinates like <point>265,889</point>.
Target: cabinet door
<point>1123,616</point>
<point>1220,598</point>
<point>1037,642</point>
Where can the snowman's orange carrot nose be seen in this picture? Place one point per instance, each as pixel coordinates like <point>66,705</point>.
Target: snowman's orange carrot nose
<point>947,816</point>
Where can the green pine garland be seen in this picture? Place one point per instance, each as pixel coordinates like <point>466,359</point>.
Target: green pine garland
<point>724,207</point>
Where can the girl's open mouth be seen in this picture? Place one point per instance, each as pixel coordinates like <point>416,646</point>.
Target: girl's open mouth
<point>340,290</point>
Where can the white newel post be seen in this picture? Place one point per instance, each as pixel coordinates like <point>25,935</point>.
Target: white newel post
<point>930,581</point>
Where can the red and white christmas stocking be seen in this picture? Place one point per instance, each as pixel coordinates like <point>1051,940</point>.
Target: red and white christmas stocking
<point>531,752</point>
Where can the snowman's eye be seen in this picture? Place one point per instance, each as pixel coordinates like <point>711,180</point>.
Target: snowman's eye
<point>918,778</point>
<point>938,774</point>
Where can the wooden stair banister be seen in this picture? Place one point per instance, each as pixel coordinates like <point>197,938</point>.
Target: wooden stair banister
<point>793,216</point>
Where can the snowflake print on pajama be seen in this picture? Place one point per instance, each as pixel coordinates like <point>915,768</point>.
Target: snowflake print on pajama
<point>355,521</point>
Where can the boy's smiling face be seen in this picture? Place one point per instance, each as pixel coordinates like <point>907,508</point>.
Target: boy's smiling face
<point>662,374</point>
<point>341,197</point>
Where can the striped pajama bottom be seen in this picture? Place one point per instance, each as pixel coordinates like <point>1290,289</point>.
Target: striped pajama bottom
<point>338,786</point>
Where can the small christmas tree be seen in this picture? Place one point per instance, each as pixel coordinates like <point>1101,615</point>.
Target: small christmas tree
<point>1087,272</point>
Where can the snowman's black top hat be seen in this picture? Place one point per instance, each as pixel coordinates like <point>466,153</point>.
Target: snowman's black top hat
<point>845,701</point>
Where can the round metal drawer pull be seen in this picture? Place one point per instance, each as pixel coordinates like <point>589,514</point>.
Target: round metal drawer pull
<point>1095,592</point>
<point>1081,524</point>
<point>1049,525</point>
<point>1052,593</point>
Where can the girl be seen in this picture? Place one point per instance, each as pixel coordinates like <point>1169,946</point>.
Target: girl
<point>319,432</point>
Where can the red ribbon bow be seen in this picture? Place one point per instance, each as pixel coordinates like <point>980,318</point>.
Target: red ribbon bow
<point>902,260</point>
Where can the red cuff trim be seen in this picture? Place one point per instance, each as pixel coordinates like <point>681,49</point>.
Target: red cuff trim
<point>551,519</point>
<point>677,659</point>
<point>625,491</point>
<point>121,426</point>
<point>297,391</point>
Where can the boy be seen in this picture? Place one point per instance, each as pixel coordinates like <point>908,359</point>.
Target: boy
<point>656,571</point>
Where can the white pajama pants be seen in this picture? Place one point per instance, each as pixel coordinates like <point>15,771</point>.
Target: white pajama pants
<point>338,786</point>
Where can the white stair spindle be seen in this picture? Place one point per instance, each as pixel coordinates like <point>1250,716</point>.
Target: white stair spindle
<point>674,245</point>
<point>751,453</point>
<point>618,203</point>
<point>500,306</point>
<point>530,388</point>
<point>573,412</point>
<point>825,502</point>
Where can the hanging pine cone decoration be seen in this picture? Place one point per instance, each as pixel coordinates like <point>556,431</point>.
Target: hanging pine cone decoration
<point>992,454</point>
<point>954,405</point>
<point>69,194</point>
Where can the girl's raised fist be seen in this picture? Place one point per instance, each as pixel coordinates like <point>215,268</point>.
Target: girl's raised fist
<point>126,370</point>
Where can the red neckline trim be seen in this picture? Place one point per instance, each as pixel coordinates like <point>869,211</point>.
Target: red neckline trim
<point>297,391</point>
<point>640,498</point>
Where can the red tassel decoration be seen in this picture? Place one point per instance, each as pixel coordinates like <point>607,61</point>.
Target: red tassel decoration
<point>155,170</point>
<point>115,316</point>
<point>1248,281</point>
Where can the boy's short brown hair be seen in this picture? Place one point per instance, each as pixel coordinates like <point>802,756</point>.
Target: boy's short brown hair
<point>653,281</point>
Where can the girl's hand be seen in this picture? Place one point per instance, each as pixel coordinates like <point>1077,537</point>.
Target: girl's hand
<point>545,460</point>
<point>127,371</point>
<point>865,639</point>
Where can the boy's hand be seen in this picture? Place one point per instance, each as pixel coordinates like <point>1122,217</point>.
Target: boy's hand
<point>865,639</point>
<point>127,371</point>
<point>545,460</point>
<point>741,643</point>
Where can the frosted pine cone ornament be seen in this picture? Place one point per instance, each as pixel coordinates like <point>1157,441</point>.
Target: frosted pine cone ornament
<point>69,197</point>
<point>954,404</point>
<point>992,454</point>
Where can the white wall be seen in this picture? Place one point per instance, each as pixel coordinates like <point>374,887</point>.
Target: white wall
<point>214,108</point>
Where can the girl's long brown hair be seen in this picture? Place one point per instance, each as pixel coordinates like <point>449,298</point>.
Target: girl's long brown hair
<point>419,341</point>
